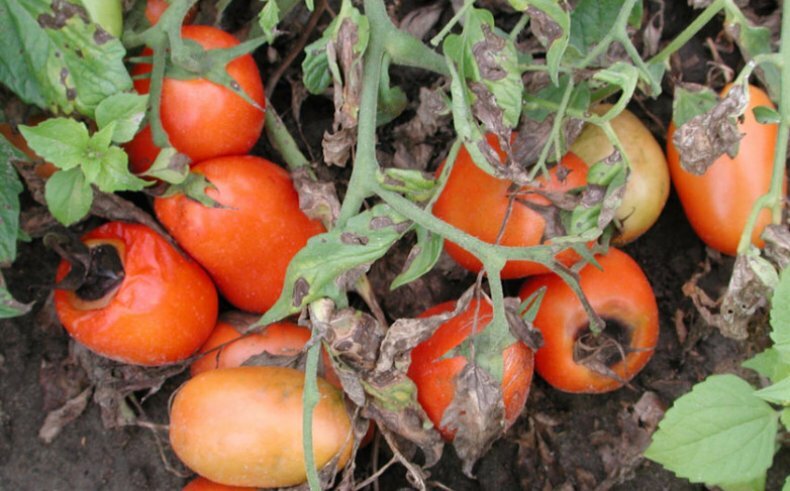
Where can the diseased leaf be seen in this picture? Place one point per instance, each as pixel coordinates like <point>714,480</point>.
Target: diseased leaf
<point>61,141</point>
<point>690,101</point>
<point>717,434</point>
<point>754,41</point>
<point>780,317</point>
<point>126,110</point>
<point>10,188</point>
<point>68,195</point>
<point>551,25</point>
<point>55,58</point>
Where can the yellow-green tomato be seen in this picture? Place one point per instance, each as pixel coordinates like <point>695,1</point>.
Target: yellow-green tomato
<point>243,426</point>
<point>107,13</point>
<point>648,182</point>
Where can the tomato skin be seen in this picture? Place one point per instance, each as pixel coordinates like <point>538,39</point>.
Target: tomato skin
<point>203,484</point>
<point>647,189</point>
<point>434,375</point>
<point>203,120</point>
<point>155,8</point>
<point>246,246</point>
<point>161,313</point>
<point>243,426</point>
<point>619,293</point>
<point>477,203</point>
<point>718,203</point>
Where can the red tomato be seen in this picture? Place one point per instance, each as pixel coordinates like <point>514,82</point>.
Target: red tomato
<point>434,373</point>
<point>243,426</point>
<point>247,245</point>
<point>718,203</point>
<point>203,484</point>
<point>162,311</point>
<point>477,203</point>
<point>155,8</point>
<point>203,120</point>
<point>622,296</point>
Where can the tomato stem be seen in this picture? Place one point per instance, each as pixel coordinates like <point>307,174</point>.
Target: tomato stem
<point>689,32</point>
<point>310,398</point>
<point>282,141</point>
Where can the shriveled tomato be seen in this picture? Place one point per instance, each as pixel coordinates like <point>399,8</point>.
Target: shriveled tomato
<point>718,203</point>
<point>572,359</point>
<point>155,8</point>
<point>243,426</point>
<point>477,203</point>
<point>203,484</point>
<point>158,308</point>
<point>202,119</point>
<point>648,181</point>
<point>247,244</point>
<point>434,372</point>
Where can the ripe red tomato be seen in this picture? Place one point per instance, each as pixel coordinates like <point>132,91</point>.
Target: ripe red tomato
<point>434,373</point>
<point>246,245</point>
<point>622,296</point>
<point>243,426</point>
<point>477,203</point>
<point>162,311</point>
<point>203,120</point>
<point>155,8</point>
<point>203,484</point>
<point>719,202</point>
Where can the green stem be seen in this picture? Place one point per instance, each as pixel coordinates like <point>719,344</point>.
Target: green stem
<point>556,128</point>
<point>282,141</point>
<point>520,25</point>
<point>689,32</point>
<point>451,23</point>
<point>310,398</point>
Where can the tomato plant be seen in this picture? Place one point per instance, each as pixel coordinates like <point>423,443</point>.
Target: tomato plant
<point>434,370</point>
<point>647,189</point>
<point>243,426</point>
<point>246,244</point>
<point>572,358</point>
<point>202,119</point>
<point>106,13</point>
<point>142,302</point>
<point>478,203</point>
<point>718,202</point>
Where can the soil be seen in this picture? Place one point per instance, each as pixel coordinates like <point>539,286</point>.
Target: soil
<point>561,441</point>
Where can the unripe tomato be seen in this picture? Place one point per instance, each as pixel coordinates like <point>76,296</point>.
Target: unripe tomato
<point>106,13</point>
<point>647,189</point>
<point>243,426</point>
<point>155,8</point>
<point>434,373</point>
<point>247,244</point>
<point>203,484</point>
<point>622,296</point>
<point>477,203</point>
<point>161,312</point>
<point>202,119</point>
<point>718,203</point>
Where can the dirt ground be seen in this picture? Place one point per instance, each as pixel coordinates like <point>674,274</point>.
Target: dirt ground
<point>561,441</point>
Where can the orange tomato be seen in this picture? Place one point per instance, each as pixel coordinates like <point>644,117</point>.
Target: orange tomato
<point>718,203</point>
<point>622,296</point>
<point>246,245</point>
<point>434,373</point>
<point>162,311</point>
<point>477,203</point>
<point>243,426</point>
<point>202,119</point>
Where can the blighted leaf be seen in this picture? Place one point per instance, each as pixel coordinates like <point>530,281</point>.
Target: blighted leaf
<point>10,188</point>
<point>126,110</point>
<point>68,196</point>
<point>337,146</point>
<point>690,101</point>
<point>55,58</point>
<point>705,137</point>
<point>780,316</point>
<point>497,64</point>
<point>777,245</point>
<point>169,166</point>
<point>60,141</point>
<point>421,258</point>
<point>754,41</point>
<point>551,25</point>
<point>750,286</point>
<point>57,419</point>
<point>317,199</point>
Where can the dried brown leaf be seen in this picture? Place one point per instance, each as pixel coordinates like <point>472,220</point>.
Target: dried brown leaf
<point>337,146</point>
<point>317,199</point>
<point>777,245</point>
<point>543,27</point>
<point>59,418</point>
<point>532,137</point>
<point>418,22</point>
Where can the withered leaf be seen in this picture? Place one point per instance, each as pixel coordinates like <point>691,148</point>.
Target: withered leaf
<point>777,245</point>
<point>532,137</point>
<point>337,146</point>
<point>543,27</point>
<point>745,294</point>
<point>317,199</point>
<point>418,22</point>
<point>59,418</point>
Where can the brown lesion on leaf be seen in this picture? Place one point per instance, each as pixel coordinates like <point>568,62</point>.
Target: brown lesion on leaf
<point>301,289</point>
<point>349,238</point>
<point>62,11</point>
<point>485,52</point>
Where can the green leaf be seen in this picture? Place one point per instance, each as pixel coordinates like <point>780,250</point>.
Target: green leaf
<point>558,43</point>
<point>9,307</point>
<point>688,103</point>
<point>592,20</point>
<point>753,41</point>
<point>61,141</point>
<point>769,364</point>
<point>766,115</point>
<point>421,259</point>
<point>757,484</point>
<point>784,417</point>
<point>169,166</point>
<point>268,20</point>
<point>53,56</point>
<point>780,316</point>
<point>10,188</point>
<point>126,110</point>
<point>68,195</point>
<point>416,185</point>
<point>778,393</point>
<point>317,271</point>
<point>717,434</point>
<point>114,174</point>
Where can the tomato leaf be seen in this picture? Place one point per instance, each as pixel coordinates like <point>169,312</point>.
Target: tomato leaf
<point>268,19</point>
<point>114,174</point>
<point>717,434</point>
<point>766,115</point>
<point>691,101</point>
<point>10,188</point>
<point>9,307</point>
<point>61,141</point>
<point>551,25</point>
<point>780,317</point>
<point>777,393</point>
<point>592,20</point>
<point>421,258</point>
<point>126,110</point>
<point>55,58</point>
<point>68,195</point>
<point>169,166</point>
<point>753,41</point>
<point>785,419</point>
<point>769,364</point>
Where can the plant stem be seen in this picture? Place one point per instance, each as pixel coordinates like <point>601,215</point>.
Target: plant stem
<point>282,141</point>
<point>689,32</point>
<point>451,23</point>
<point>310,398</point>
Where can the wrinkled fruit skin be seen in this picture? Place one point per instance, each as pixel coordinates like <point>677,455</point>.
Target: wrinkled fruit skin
<point>434,374</point>
<point>619,293</point>
<point>203,484</point>
<point>243,426</point>
<point>161,313</point>
<point>203,120</point>
<point>718,203</point>
<point>247,244</point>
<point>647,189</point>
<point>477,203</point>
